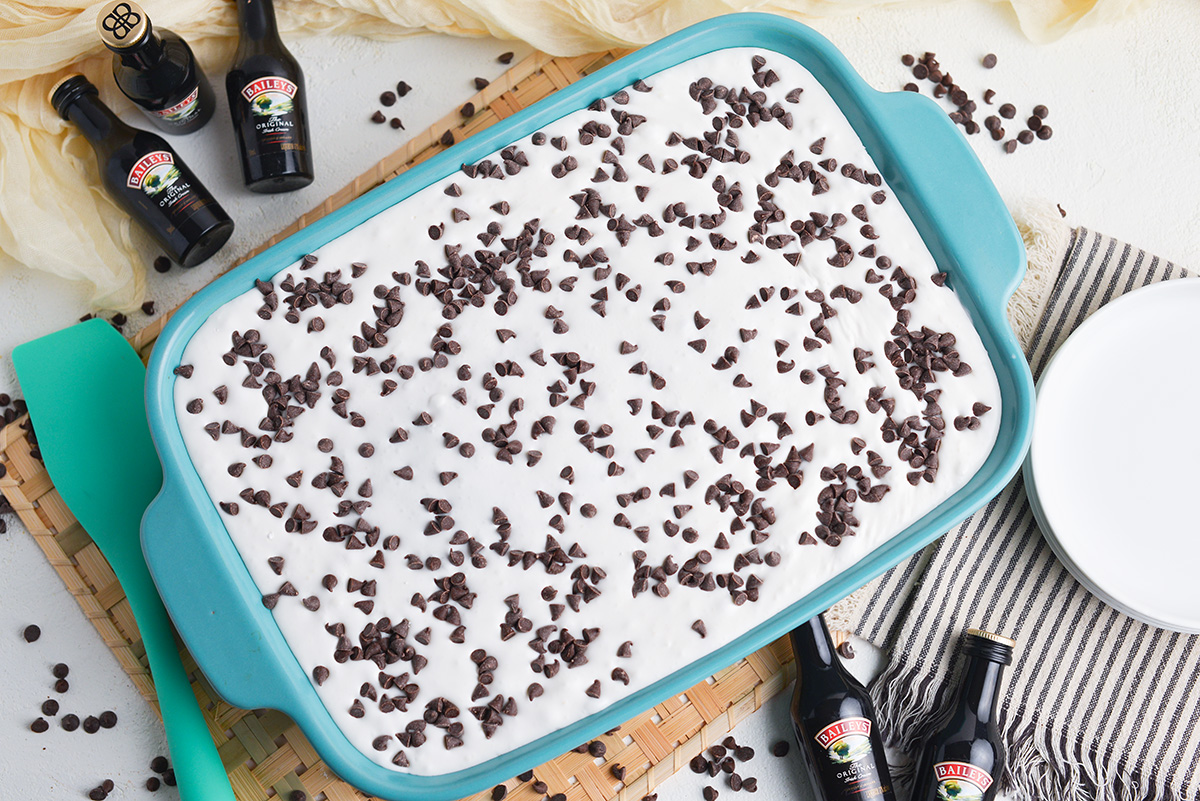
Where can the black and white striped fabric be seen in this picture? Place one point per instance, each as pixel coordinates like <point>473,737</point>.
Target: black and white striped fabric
<point>1097,704</point>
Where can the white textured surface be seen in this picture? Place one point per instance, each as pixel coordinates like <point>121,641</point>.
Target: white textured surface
<point>1124,160</point>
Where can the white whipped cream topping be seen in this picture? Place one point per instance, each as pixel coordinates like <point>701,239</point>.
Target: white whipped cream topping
<point>660,629</point>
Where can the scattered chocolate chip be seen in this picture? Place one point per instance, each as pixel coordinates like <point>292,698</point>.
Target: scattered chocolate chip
<point>32,633</point>
<point>39,726</point>
<point>989,61</point>
<point>781,748</point>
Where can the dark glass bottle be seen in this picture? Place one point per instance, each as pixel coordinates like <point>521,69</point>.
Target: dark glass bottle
<point>834,721</point>
<point>268,104</point>
<point>964,757</point>
<point>146,178</point>
<point>156,69</point>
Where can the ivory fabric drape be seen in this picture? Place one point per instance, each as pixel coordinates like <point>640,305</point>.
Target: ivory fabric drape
<point>55,217</point>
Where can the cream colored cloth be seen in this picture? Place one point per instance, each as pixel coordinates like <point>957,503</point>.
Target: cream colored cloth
<point>55,217</point>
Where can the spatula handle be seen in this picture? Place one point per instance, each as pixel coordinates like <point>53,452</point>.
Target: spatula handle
<point>194,757</point>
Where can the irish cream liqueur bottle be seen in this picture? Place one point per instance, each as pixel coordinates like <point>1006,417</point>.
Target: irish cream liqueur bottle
<point>268,104</point>
<point>834,721</point>
<point>155,69</point>
<point>965,755</point>
<point>145,177</point>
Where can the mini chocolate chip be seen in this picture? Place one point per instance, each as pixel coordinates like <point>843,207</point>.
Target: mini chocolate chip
<point>781,748</point>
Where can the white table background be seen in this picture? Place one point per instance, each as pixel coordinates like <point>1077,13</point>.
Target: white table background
<point>1124,159</point>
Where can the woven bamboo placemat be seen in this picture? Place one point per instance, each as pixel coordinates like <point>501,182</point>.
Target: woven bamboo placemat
<point>264,752</point>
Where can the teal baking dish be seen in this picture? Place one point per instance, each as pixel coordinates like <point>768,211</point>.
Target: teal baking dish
<point>931,169</point>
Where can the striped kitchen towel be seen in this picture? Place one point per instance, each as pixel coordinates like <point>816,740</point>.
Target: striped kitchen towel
<point>1097,705</point>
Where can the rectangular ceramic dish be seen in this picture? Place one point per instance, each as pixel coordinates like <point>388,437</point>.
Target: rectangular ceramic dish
<point>932,170</point>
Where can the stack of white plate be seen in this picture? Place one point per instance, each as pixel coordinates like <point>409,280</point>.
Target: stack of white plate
<point>1113,474</point>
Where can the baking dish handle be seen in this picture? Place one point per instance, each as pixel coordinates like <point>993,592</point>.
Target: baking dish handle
<point>975,235</point>
<point>200,587</point>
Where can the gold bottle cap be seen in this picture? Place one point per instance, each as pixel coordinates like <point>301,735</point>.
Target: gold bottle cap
<point>987,635</point>
<point>122,24</point>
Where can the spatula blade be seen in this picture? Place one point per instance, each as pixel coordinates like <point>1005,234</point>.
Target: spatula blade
<point>86,385</point>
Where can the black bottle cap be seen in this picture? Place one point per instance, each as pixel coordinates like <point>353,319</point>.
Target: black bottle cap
<point>990,646</point>
<point>68,90</point>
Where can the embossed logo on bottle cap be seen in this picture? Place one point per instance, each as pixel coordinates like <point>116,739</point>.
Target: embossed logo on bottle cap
<point>122,24</point>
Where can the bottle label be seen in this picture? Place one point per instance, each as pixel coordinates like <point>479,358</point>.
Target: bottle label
<point>182,112</point>
<point>272,110</point>
<point>153,173</point>
<point>270,96</point>
<point>847,740</point>
<point>960,781</point>
<point>166,183</point>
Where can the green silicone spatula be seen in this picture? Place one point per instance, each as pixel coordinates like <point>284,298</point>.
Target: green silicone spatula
<point>85,389</point>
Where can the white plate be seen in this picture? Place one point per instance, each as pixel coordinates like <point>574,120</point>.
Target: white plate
<point>1113,474</point>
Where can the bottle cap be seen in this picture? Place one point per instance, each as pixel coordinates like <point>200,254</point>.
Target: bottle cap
<point>987,635</point>
<point>68,90</point>
<point>122,25</point>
